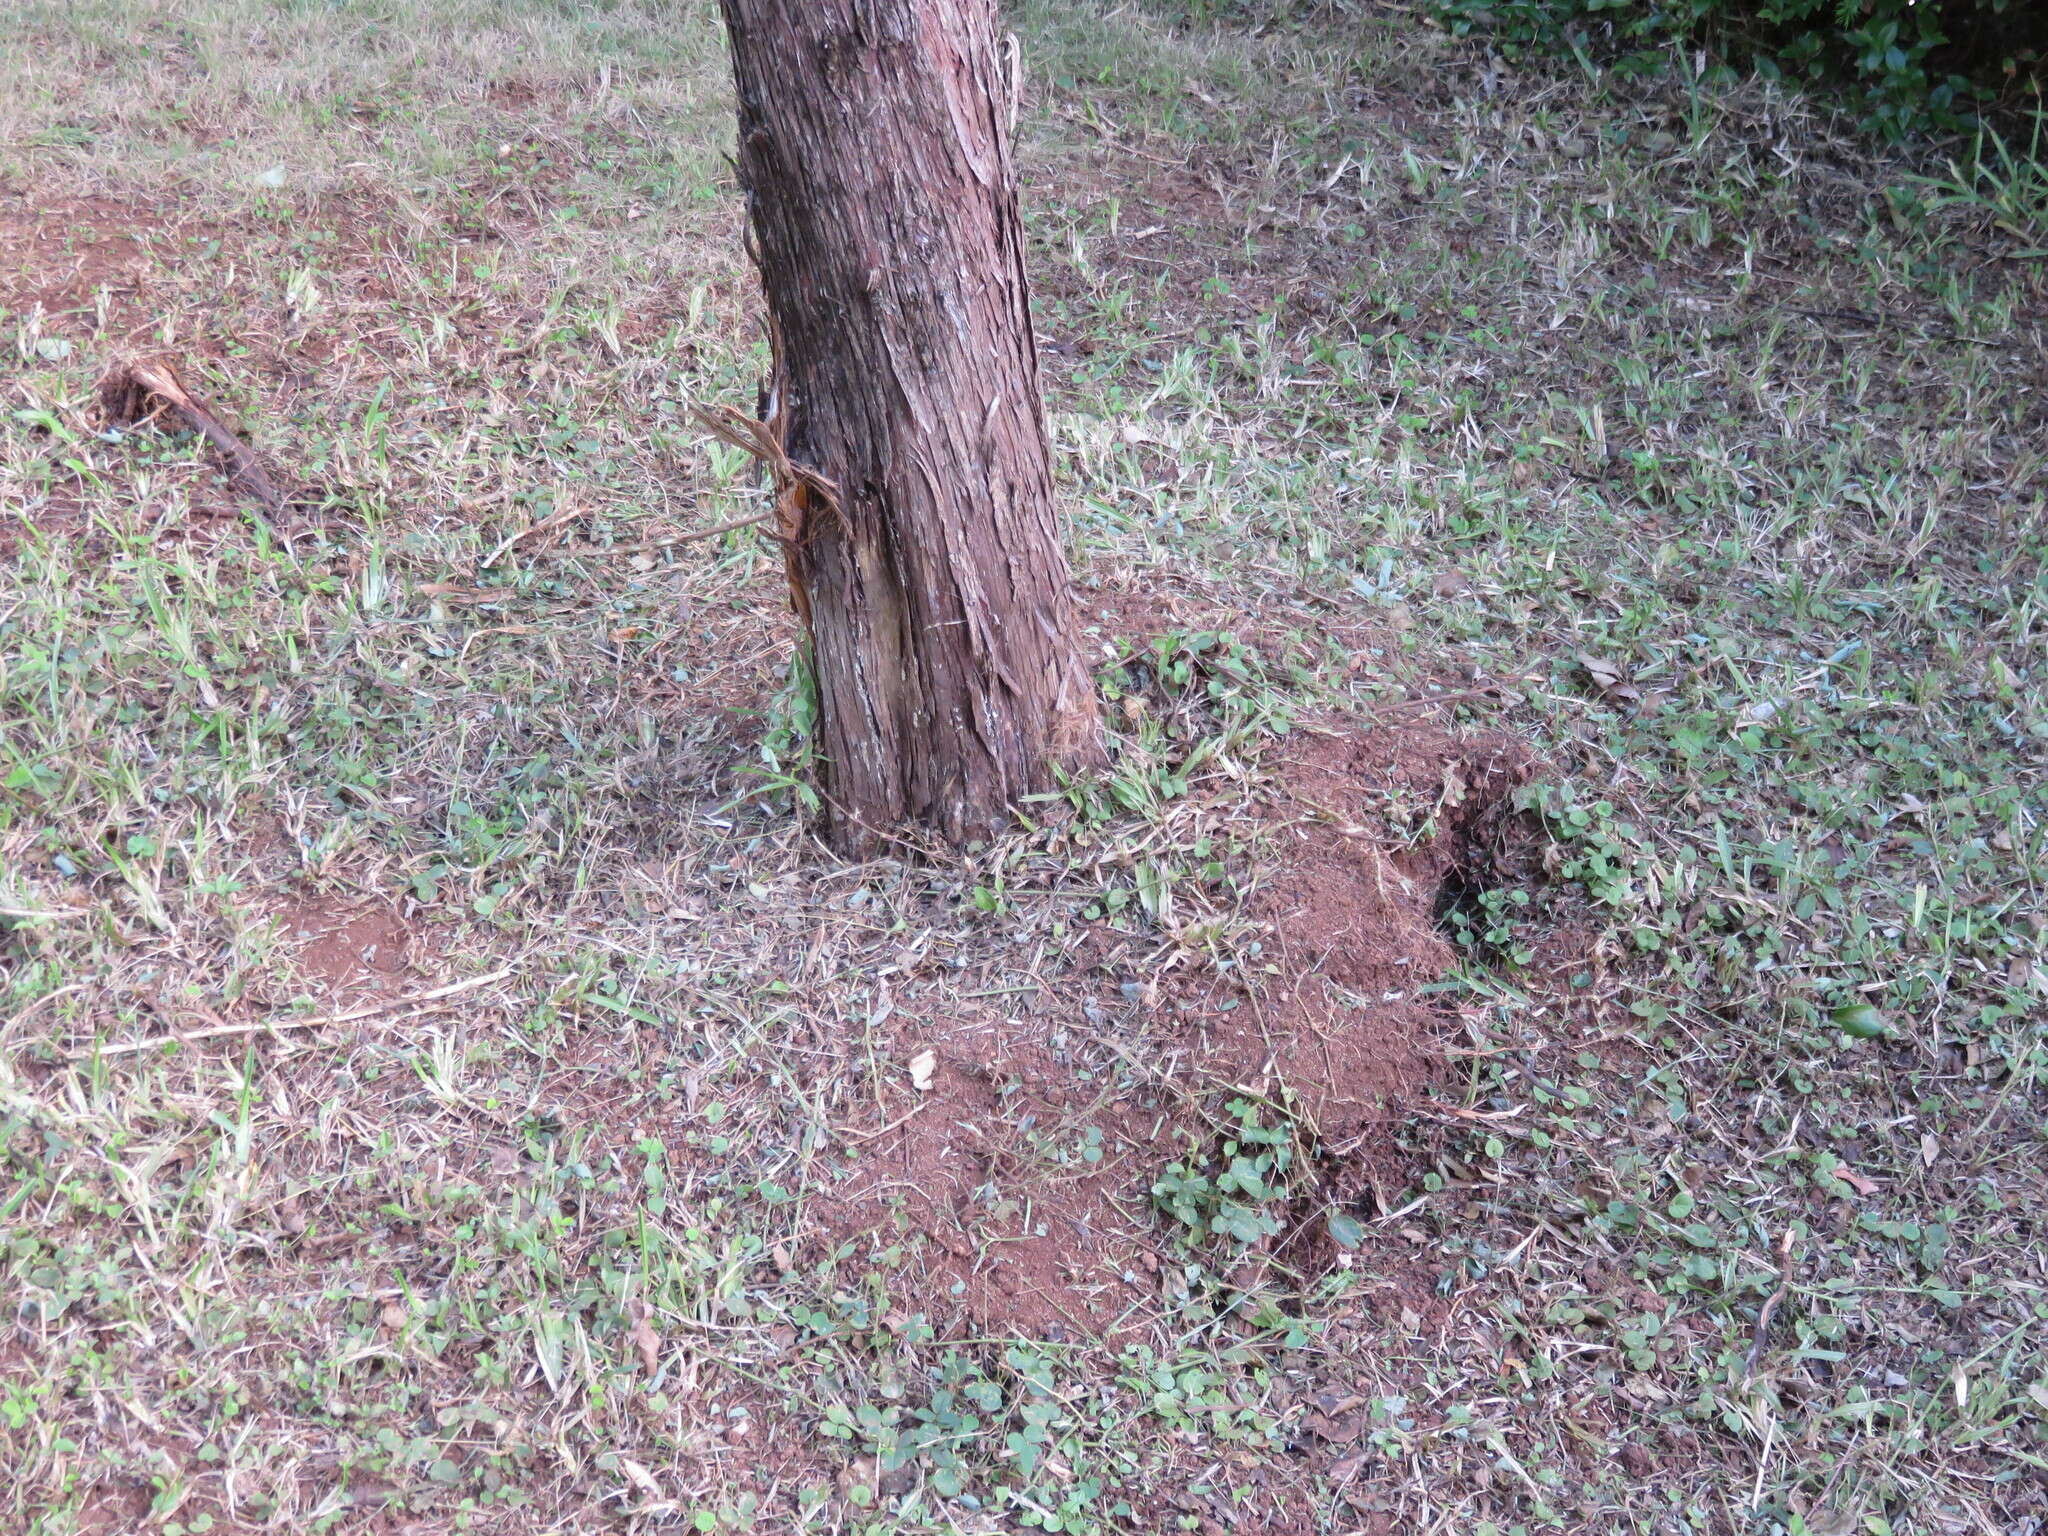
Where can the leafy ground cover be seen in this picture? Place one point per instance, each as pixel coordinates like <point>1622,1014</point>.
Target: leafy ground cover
<point>1538,1029</point>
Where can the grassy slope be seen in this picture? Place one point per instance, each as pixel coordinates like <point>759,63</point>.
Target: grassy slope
<point>1648,411</point>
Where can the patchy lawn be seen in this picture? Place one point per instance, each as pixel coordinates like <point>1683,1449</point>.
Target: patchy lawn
<point>1539,1028</point>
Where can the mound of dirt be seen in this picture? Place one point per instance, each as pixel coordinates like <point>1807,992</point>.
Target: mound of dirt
<point>1026,1165</point>
<point>1353,918</point>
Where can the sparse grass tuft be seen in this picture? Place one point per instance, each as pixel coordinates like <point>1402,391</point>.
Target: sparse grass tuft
<point>2006,183</point>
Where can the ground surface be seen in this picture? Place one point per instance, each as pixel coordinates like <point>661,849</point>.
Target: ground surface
<point>1540,1028</point>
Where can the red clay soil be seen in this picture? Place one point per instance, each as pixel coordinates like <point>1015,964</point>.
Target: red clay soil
<point>1346,1030</point>
<point>1065,1247</point>
<point>94,272</point>
<point>347,951</point>
<point>60,255</point>
<point>1019,1232</point>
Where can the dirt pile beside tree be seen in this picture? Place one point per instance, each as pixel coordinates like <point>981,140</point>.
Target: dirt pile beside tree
<point>1073,1143</point>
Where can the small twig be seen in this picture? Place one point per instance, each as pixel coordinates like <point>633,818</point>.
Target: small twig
<point>371,1010</point>
<point>133,392</point>
<point>641,547</point>
<point>1761,1334</point>
<point>896,1124</point>
<point>566,515</point>
<point>1484,1116</point>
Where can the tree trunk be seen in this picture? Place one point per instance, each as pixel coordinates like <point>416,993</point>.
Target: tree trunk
<point>914,480</point>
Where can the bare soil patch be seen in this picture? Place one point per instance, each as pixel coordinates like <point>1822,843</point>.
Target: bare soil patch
<point>347,951</point>
<point>1354,922</point>
<point>59,255</point>
<point>75,269</point>
<point>1024,1170</point>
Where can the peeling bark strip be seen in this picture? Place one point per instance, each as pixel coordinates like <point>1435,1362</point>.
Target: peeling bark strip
<point>133,392</point>
<point>874,148</point>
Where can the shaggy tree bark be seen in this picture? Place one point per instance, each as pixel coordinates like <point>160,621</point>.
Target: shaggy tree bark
<point>904,426</point>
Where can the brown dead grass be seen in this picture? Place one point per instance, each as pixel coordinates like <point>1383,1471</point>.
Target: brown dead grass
<point>697,977</point>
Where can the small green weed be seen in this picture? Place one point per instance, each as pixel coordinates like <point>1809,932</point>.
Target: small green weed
<point>788,768</point>
<point>1493,925</point>
<point>1593,847</point>
<point>1237,1189</point>
<point>1178,704</point>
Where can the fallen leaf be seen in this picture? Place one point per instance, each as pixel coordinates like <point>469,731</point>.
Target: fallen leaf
<point>922,1066</point>
<point>1856,1181</point>
<point>1604,673</point>
<point>648,1342</point>
<point>858,1473</point>
<point>640,1477</point>
<point>1338,1431</point>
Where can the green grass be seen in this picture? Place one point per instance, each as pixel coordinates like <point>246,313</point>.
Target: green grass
<point>1667,428</point>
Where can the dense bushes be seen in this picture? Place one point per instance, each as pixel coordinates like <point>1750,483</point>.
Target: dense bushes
<point>1910,65</point>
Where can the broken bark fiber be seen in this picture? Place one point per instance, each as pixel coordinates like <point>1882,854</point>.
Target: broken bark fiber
<point>132,393</point>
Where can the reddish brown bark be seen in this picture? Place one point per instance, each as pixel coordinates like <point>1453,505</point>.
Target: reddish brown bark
<point>140,389</point>
<point>925,549</point>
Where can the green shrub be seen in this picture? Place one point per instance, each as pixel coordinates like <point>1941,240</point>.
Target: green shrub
<point>1909,65</point>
